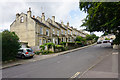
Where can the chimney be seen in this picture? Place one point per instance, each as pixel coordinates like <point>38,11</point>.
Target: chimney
<point>29,13</point>
<point>53,18</point>
<point>17,15</point>
<point>43,17</point>
<point>62,22</point>
<point>33,16</point>
<point>67,24</point>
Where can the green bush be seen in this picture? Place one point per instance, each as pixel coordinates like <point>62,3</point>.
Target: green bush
<point>37,52</point>
<point>79,43</point>
<point>107,39</point>
<point>63,43</point>
<point>60,47</point>
<point>117,39</point>
<point>42,47</point>
<point>45,52</point>
<point>10,45</point>
<point>49,45</point>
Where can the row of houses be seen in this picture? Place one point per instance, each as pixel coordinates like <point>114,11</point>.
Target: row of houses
<point>37,30</point>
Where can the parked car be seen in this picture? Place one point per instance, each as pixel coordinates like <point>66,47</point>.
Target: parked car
<point>106,41</point>
<point>25,52</point>
<point>99,42</point>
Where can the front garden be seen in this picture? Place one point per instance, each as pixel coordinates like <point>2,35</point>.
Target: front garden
<point>50,48</point>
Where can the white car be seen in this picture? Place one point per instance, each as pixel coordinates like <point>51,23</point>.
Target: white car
<point>25,52</point>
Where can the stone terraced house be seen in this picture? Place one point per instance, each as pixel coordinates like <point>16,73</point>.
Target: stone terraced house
<point>37,31</point>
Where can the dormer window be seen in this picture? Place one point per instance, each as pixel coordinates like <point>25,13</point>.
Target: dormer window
<point>21,19</point>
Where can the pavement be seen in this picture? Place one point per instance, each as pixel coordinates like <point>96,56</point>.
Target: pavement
<point>106,67</point>
<point>89,62</point>
<point>38,57</point>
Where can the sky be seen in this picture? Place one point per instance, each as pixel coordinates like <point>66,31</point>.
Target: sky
<point>63,10</point>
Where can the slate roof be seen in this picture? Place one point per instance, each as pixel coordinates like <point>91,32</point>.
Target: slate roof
<point>53,25</point>
<point>36,20</point>
<point>60,25</point>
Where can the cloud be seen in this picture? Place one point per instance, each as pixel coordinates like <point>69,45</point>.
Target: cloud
<point>60,9</point>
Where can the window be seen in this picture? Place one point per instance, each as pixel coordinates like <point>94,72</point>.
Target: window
<point>47,32</point>
<point>58,33</point>
<point>28,50</point>
<point>53,31</point>
<point>71,32</point>
<point>21,19</point>
<point>68,31</point>
<point>44,41</point>
<point>62,31</point>
<point>65,33</point>
<point>40,42</point>
<point>41,30</point>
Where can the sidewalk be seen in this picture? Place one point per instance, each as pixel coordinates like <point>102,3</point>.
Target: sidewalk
<point>107,67</point>
<point>39,57</point>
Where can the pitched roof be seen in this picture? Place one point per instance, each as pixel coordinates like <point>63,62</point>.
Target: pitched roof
<point>36,20</point>
<point>60,25</point>
<point>53,25</point>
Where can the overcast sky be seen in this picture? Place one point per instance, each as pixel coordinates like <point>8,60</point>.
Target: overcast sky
<point>62,10</point>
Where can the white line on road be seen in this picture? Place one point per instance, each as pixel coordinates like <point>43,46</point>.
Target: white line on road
<point>75,75</point>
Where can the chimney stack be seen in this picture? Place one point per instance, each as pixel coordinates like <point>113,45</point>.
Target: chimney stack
<point>29,13</point>
<point>62,22</point>
<point>67,24</point>
<point>17,15</point>
<point>53,18</point>
<point>43,17</point>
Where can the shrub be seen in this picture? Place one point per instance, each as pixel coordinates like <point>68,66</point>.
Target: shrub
<point>79,43</point>
<point>60,47</point>
<point>37,52</point>
<point>10,45</point>
<point>107,39</point>
<point>42,47</point>
<point>63,43</point>
<point>46,52</point>
<point>49,45</point>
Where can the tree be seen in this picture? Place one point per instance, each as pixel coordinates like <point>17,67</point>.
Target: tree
<point>10,45</point>
<point>101,16</point>
<point>79,38</point>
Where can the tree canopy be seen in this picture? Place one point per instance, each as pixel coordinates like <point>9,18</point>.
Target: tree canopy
<point>102,16</point>
<point>10,45</point>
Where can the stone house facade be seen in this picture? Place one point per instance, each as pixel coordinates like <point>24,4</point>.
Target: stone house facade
<point>37,31</point>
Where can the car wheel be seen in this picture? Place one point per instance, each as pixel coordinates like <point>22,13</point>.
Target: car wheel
<point>22,56</point>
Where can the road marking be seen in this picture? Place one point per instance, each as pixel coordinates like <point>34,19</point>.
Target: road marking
<point>75,75</point>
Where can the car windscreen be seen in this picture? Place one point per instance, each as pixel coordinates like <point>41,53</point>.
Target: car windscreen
<point>29,50</point>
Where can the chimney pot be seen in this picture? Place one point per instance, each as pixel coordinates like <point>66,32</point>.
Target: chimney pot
<point>67,23</point>
<point>33,16</point>
<point>53,18</point>
<point>29,8</point>
<point>43,17</point>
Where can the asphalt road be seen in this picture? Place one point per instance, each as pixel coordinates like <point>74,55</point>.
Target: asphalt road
<point>63,66</point>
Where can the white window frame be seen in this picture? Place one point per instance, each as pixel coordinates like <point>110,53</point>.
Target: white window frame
<point>22,19</point>
<point>58,32</point>
<point>41,28</point>
<point>65,32</point>
<point>53,31</point>
<point>47,31</point>
<point>62,31</point>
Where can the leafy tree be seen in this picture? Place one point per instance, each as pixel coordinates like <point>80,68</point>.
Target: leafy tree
<point>101,16</point>
<point>79,38</point>
<point>89,37</point>
<point>10,45</point>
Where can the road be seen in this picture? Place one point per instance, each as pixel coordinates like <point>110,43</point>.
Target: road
<point>63,66</point>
